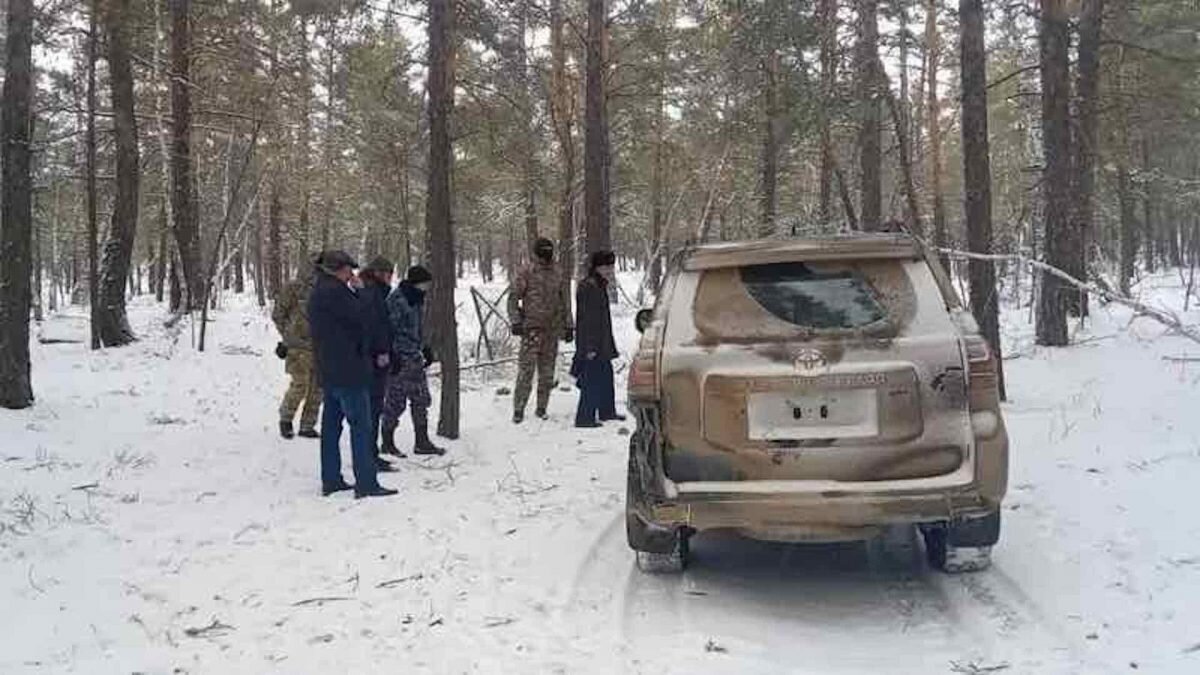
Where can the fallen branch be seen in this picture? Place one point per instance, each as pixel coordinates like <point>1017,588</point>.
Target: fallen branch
<point>1182,359</point>
<point>319,601</point>
<point>390,583</point>
<point>1165,317</point>
<point>214,628</point>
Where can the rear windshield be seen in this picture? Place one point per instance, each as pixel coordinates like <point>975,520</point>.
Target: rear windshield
<point>794,300</point>
<point>802,296</point>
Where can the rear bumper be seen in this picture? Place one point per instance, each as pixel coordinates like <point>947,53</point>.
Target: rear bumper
<point>817,510</point>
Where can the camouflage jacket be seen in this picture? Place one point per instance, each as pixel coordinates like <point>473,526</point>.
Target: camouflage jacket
<point>538,301</point>
<point>291,312</point>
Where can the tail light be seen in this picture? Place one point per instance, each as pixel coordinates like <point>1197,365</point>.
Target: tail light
<point>643,370</point>
<point>981,370</point>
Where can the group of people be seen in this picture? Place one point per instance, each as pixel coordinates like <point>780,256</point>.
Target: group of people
<point>354,348</point>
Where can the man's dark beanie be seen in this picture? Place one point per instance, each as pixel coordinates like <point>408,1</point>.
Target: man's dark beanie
<point>418,275</point>
<point>602,259</point>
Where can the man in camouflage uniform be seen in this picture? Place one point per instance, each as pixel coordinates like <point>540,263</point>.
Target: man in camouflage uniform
<point>291,320</point>
<point>540,314</point>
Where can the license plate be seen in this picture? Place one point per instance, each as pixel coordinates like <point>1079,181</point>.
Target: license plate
<point>780,416</point>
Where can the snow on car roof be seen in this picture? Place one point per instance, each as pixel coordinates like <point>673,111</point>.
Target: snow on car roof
<point>767,251</point>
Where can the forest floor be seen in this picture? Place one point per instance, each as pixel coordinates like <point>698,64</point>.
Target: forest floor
<point>151,520</point>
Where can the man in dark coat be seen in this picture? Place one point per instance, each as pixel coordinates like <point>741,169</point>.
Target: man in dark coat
<point>338,323</point>
<point>408,384</point>
<point>595,347</point>
<point>376,278</point>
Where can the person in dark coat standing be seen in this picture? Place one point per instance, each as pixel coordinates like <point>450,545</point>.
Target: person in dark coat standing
<point>376,280</point>
<point>595,347</point>
<point>408,385</point>
<point>337,317</point>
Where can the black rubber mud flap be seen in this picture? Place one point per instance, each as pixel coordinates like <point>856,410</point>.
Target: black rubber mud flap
<point>983,531</point>
<point>642,534</point>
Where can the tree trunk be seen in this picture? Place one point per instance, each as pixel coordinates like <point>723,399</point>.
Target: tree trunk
<point>770,145</point>
<point>977,176</point>
<point>183,202</point>
<point>113,322</point>
<point>438,220</point>
<point>869,133</point>
<point>597,216</point>
<point>1056,176</point>
<point>1149,213</point>
<point>89,141</point>
<point>274,244</point>
<point>1087,86</point>
<point>933,48</point>
<point>658,214</point>
<point>562,114</point>
<point>260,292</point>
<point>164,251</point>
<point>16,207</point>
<point>827,25</point>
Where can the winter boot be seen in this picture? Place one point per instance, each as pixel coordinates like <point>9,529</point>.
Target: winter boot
<point>309,433</point>
<point>285,429</point>
<point>424,446</point>
<point>518,416</point>
<point>541,414</point>
<point>388,444</point>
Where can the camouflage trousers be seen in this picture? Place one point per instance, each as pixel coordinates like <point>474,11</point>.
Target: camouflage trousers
<point>406,385</point>
<point>539,352</point>
<point>304,388</point>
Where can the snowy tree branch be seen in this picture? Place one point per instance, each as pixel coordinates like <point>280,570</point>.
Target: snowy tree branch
<point>1163,316</point>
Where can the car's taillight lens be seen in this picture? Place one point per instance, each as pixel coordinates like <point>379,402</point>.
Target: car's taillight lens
<point>981,365</point>
<point>643,371</point>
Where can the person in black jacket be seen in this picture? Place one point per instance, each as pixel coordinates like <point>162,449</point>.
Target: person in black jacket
<point>376,279</point>
<point>595,347</point>
<point>337,318</point>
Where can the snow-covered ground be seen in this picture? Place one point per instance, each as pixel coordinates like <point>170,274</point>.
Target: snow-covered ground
<point>151,520</point>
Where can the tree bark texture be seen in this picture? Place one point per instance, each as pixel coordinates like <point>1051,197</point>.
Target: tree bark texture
<point>562,114</point>
<point>16,207</point>
<point>1085,147</point>
<point>1056,174</point>
<point>770,144</point>
<point>438,219</point>
<point>870,132</point>
<point>977,176</point>
<point>933,48</point>
<point>183,202</point>
<point>89,160</point>
<point>113,322</point>
<point>827,25</point>
<point>597,214</point>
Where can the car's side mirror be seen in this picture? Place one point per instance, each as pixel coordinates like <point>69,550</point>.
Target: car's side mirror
<point>642,319</point>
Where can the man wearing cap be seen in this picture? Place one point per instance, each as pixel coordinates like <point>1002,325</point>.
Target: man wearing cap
<point>338,323</point>
<point>290,316</point>
<point>376,279</point>
<point>595,347</point>
<point>408,385</point>
<point>539,314</point>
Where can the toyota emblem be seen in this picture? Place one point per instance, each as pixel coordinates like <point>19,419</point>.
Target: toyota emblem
<point>809,359</point>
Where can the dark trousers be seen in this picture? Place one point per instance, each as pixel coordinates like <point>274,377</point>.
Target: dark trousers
<point>597,395</point>
<point>379,380</point>
<point>354,405</point>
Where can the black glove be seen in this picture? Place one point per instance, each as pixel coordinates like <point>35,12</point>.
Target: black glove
<point>281,350</point>
<point>518,329</point>
<point>430,359</point>
<point>569,336</point>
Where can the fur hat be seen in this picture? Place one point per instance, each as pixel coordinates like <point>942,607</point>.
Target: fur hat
<point>418,275</point>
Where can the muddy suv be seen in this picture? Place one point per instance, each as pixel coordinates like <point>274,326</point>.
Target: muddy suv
<point>814,391</point>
